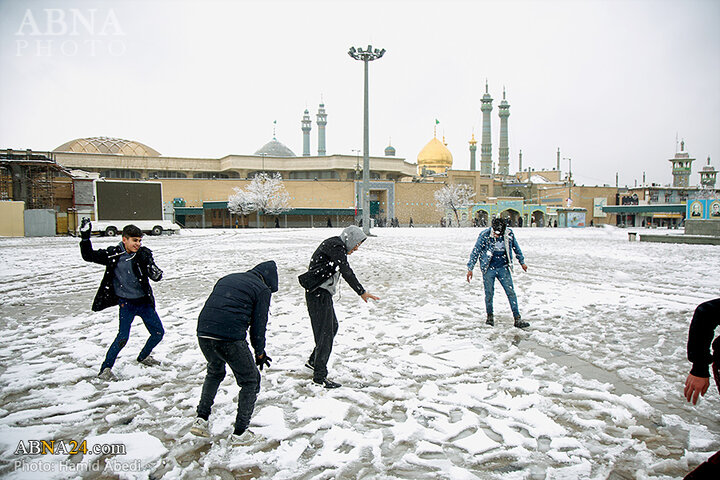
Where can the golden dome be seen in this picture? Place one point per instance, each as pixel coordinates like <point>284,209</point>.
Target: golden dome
<point>435,154</point>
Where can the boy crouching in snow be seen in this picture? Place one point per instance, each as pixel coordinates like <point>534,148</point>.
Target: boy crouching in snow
<point>128,268</point>
<point>238,302</point>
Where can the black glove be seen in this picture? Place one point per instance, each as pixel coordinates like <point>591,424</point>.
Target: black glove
<point>85,228</point>
<point>262,360</point>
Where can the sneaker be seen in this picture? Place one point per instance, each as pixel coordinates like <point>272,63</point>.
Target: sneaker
<point>490,320</point>
<point>200,427</point>
<point>327,383</point>
<point>520,323</point>
<point>106,374</point>
<point>149,361</point>
<point>242,440</point>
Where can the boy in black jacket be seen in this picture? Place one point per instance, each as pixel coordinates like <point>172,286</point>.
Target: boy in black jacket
<point>238,302</point>
<point>128,268</point>
<point>320,282</point>
<point>700,337</point>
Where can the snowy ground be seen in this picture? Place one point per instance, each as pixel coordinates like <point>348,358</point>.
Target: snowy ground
<point>592,390</point>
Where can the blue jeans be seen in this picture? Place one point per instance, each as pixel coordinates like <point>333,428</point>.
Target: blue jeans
<point>505,278</point>
<point>129,309</point>
<point>238,357</point>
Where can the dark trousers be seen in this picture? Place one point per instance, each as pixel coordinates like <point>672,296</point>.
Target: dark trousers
<point>708,469</point>
<point>325,326</point>
<point>237,355</point>
<point>129,309</point>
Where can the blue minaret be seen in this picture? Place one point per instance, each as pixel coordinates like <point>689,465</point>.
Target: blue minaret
<point>306,127</point>
<point>486,166</point>
<point>321,122</point>
<point>504,152</point>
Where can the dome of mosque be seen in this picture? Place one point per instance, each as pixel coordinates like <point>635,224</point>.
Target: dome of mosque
<point>107,145</point>
<point>275,149</point>
<point>389,151</point>
<point>435,154</point>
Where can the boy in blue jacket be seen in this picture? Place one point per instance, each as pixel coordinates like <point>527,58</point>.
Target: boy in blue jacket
<point>494,248</point>
<point>239,302</point>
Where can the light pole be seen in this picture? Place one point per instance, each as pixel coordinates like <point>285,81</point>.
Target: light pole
<point>366,56</point>
<point>357,172</point>
<point>569,176</point>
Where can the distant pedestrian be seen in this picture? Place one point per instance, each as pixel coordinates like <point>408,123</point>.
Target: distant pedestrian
<point>277,222</point>
<point>329,223</point>
<point>494,248</point>
<point>411,222</point>
<point>129,267</point>
<point>239,302</point>
<point>702,330</point>
<point>320,282</point>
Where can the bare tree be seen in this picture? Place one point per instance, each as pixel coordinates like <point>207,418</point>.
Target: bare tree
<point>266,194</point>
<point>454,197</point>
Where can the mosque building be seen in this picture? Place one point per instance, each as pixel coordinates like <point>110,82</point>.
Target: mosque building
<point>326,186</point>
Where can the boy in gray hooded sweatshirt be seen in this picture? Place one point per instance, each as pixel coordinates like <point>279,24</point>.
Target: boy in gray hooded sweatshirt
<point>327,264</point>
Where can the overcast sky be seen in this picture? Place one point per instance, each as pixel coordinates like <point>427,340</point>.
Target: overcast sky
<point>611,83</point>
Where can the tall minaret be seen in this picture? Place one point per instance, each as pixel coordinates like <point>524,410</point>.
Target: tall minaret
<point>681,167</point>
<point>321,122</point>
<point>473,149</point>
<point>486,166</point>
<point>520,161</point>
<point>503,152</point>
<point>708,176</point>
<point>306,127</point>
<point>558,160</point>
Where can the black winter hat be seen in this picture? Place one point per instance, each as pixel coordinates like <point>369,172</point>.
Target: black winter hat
<point>498,226</point>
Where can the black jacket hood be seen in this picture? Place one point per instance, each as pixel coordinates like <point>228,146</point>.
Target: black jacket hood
<point>268,271</point>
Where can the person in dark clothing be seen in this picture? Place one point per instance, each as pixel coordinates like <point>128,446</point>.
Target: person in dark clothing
<point>494,248</point>
<point>239,302</point>
<point>128,268</point>
<point>320,282</point>
<point>702,330</point>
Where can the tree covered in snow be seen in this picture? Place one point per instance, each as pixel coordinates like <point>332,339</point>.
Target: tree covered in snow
<point>266,194</point>
<point>454,197</point>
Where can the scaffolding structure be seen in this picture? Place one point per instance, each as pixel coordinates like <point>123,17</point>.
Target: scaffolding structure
<point>28,176</point>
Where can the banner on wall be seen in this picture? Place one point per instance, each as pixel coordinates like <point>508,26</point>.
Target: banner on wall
<point>598,203</point>
<point>703,209</point>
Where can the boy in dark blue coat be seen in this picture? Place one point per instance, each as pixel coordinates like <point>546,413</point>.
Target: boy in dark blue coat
<point>129,267</point>
<point>238,302</point>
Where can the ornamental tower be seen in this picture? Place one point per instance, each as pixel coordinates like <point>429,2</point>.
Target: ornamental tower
<point>681,167</point>
<point>486,166</point>
<point>503,152</point>
<point>306,127</point>
<point>321,122</point>
<point>708,176</point>
<point>473,149</point>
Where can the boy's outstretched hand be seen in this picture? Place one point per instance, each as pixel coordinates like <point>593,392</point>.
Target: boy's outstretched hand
<point>367,295</point>
<point>85,228</point>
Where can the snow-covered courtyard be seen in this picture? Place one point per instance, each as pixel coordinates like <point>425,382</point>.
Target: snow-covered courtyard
<point>593,389</point>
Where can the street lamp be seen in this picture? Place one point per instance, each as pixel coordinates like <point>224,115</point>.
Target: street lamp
<point>569,176</point>
<point>366,56</point>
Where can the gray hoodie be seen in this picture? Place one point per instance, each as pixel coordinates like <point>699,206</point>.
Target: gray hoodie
<point>351,236</point>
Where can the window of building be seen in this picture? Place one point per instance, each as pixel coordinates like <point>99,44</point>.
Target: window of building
<point>167,174</point>
<point>117,173</point>
<point>211,175</point>
<point>315,174</point>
